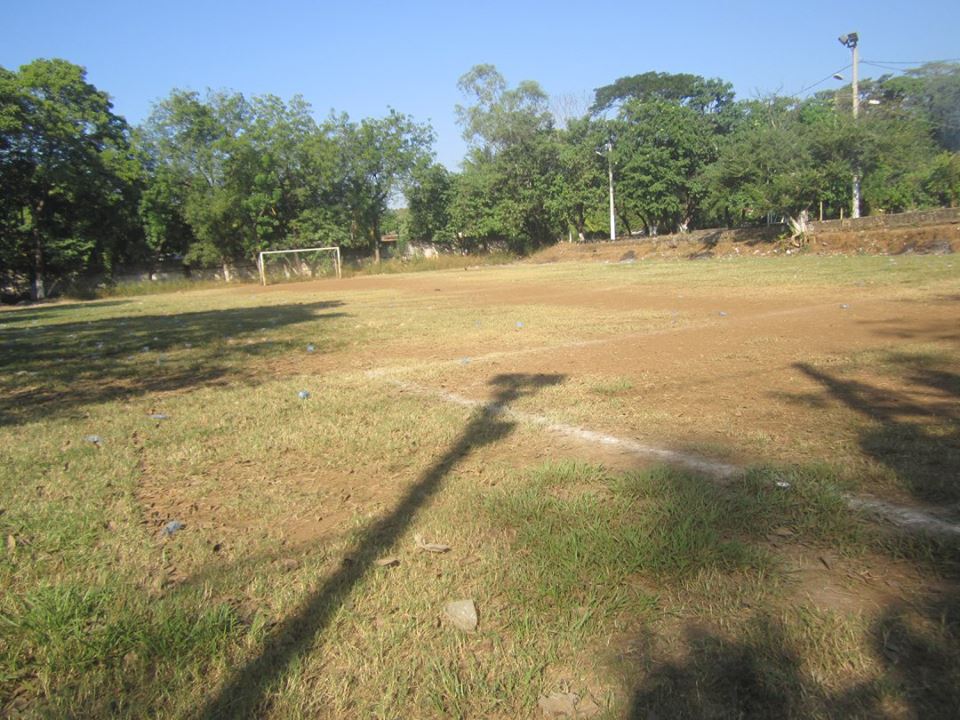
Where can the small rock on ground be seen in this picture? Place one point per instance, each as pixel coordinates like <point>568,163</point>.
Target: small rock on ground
<point>462,614</point>
<point>567,705</point>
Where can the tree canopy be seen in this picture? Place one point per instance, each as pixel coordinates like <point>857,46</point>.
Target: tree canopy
<point>214,178</point>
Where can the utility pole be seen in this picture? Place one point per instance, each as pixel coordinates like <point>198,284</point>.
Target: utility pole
<point>851,40</point>
<point>613,217</point>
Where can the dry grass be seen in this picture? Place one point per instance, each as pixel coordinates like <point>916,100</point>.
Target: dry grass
<point>642,589</point>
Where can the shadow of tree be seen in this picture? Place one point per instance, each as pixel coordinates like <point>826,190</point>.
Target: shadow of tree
<point>51,370</point>
<point>917,430</point>
<point>763,674</point>
<point>45,311</point>
<point>247,693</point>
<point>762,671</point>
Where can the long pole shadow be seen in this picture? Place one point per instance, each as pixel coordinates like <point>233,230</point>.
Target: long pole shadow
<point>246,693</point>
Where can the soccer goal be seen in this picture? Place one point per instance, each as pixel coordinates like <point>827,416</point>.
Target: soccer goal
<point>299,263</point>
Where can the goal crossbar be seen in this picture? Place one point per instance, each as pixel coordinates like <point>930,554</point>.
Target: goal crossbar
<point>336,255</point>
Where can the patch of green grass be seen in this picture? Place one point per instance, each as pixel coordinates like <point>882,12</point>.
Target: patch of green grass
<point>81,644</point>
<point>579,528</point>
<point>613,386</point>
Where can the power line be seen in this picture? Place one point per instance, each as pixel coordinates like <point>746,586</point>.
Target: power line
<point>881,66</point>
<point>828,77</point>
<point>912,62</point>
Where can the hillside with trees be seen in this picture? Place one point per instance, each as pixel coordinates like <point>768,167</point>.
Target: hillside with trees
<point>215,178</point>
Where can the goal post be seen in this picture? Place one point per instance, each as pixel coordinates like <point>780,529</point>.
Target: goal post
<point>333,251</point>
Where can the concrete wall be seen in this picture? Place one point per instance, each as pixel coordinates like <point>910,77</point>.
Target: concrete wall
<point>942,216</point>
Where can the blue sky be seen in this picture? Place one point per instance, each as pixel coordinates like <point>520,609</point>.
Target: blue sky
<point>361,57</point>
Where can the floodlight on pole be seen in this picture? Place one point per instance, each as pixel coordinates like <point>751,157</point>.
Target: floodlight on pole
<point>852,40</point>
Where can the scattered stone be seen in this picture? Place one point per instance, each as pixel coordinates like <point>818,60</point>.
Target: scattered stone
<point>303,394</point>
<point>159,416</point>
<point>844,306</point>
<point>462,614</point>
<point>310,348</point>
<point>587,708</point>
<point>723,313</point>
<point>465,361</point>
<point>783,532</point>
<point>783,484</point>
<point>11,543</point>
<point>519,324</point>
<point>567,705</point>
<point>430,547</point>
<point>172,527</point>
<point>389,561</point>
<point>94,440</point>
<point>130,660</point>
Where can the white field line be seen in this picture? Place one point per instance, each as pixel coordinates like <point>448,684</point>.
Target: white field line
<point>716,469</point>
<point>905,518</point>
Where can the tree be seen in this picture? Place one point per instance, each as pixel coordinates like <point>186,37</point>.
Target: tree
<point>661,150</point>
<point>508,176</point>
<point>231,177</point>
<point>429,196</point>
<point>379,156</point>
<point>701,95</point>
<point>195,146</point>
<point>68,177</point>
<point>580,186</point>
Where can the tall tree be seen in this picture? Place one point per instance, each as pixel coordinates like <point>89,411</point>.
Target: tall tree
<point>429,195</point>
<point>661,151</point>
<point>513,158</point>
<point>379,157</point>
<point>699,94</point>
<point>67,173</point>
<point>579,190</point>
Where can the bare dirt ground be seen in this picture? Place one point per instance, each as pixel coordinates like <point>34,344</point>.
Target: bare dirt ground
<point>743,375</point>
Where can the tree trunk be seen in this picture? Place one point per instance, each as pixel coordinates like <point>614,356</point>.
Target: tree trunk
<point>226,271</point>
<point>37,291</point>
<point>376,242</point>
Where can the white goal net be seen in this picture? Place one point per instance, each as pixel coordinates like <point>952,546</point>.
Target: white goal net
<point>299,264</point>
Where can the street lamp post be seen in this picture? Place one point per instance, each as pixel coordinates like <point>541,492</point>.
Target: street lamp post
<point>613,217</point>
<point>851,40</point>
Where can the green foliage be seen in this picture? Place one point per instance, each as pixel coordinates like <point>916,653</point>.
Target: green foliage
<point>579,188</point>
<point>504,191</point>
<point>692,91</point>
<point>429,197</point>
<point>379,156</point>
<point>217,178</point>
<point>660,152</point>
<point>68,179</point>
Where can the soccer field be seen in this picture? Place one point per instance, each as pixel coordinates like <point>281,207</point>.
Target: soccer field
<point>696,489</point>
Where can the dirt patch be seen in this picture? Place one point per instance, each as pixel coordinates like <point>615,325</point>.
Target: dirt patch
<point>829,581</point>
